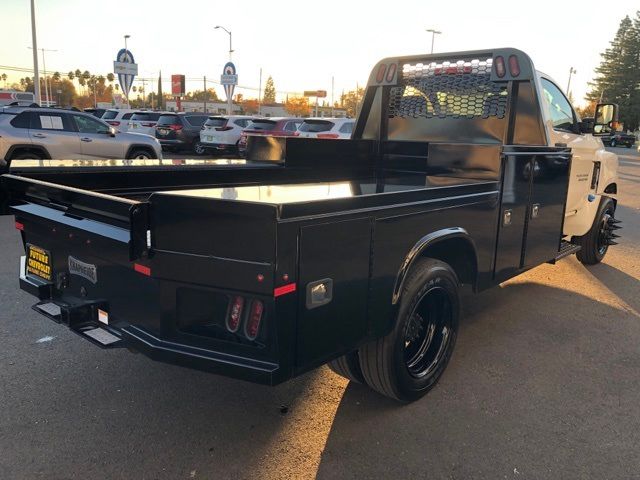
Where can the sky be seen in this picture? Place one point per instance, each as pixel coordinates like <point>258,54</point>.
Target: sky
<point>302,45</point>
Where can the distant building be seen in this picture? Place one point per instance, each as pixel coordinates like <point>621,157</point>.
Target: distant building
<point>10,96</point>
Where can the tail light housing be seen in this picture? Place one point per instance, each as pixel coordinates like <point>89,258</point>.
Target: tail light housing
<point>234,315</point>
<point>500,66</point>
<point>328,135</point>
<point>113,123</point>
<point>254,318</point>
<point>514,66</point>
<point>223,129</point>
<point>148,124</point>
<point>175,127</point>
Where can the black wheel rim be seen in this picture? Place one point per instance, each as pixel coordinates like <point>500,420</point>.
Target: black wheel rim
<point>605,232</point>
<point>428,333</point>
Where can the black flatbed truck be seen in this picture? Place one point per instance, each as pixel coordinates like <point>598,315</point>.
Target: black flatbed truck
<point>312,251</point>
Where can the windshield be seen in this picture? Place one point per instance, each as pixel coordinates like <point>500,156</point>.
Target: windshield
<point>109,114</point>
<point>316,126</point>
<point>261,125</point>
<point>168,120</point>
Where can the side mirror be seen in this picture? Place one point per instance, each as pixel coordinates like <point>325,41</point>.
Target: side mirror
<point>605,117</point>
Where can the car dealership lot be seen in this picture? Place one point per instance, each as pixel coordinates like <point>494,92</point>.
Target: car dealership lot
<point>543,383</point>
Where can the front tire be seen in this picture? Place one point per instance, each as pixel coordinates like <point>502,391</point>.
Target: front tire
<point>140,154</point>
<point>595,242</point>
<point>407,363</point>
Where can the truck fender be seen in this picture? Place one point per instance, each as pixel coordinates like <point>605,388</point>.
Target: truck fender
<point>607,183</point>
<point>456,237</point>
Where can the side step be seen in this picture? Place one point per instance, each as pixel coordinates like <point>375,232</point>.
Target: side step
<point>566,249</point>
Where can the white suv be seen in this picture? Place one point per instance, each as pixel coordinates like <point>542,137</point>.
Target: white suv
<point>221,133</point>
<point>118,118</point>
<point>144,122</point>
<point>339,128</point>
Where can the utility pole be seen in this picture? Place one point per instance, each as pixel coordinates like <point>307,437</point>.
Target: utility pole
<point>332,86</point>
<point>48,90</point>
<point>433,36</point>
<point>260,94</point>
<point>571,72</point>
<point>34,41</point>
<point>205,94</point>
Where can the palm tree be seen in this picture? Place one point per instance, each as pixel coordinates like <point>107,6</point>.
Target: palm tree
<point>4,79</point>
<point>110,77</point>
<point>56,76</point>
<point>71,76</point>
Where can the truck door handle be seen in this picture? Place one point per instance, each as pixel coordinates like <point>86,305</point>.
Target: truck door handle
<point>39,135</point>
<point>86,139</point>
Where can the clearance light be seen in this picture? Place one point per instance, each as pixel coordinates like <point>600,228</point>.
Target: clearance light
<point>500,67</point>
<point>252,325</point>
<point>278,292</point>
<point>19,226</point>
<point>235,314</point>
<point>514,66</point>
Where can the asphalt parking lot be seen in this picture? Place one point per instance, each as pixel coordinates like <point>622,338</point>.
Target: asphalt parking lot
<point>544,383</point>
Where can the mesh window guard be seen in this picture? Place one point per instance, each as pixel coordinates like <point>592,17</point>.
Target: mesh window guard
<point>456,89</point>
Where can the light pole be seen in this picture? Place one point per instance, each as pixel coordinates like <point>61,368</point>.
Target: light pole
<point>126,52</point>
<point>571,72</point>
<point>47,89</point>
<point>230,49</point>
<point>433,36</point>
<point>34,41</point>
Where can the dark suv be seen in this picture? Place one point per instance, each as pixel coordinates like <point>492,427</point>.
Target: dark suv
<point>615,139</point>
<point>180,131</point>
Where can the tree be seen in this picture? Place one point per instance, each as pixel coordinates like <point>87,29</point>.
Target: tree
<point>56,76</point>
<point>250,106</point>
<point>297,106</point>
<point>71,76</point>
<point>4,79</point>
<point>350,101</point>
<point>110,77</point>
<point>618,75</point>
<point>161,103</point>
<point>269,92</point>
<point>199,96</point>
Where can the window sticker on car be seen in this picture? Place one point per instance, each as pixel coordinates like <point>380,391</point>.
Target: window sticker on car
<point>51,123</point>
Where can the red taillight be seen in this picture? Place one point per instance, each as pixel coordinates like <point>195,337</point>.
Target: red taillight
<point>175,127</point>
<point>252,325</point>
<point>283,290</point>
<point>235,313</point>
<point>223,129</point>
<point>142,269</point>
<point>514,66</point>
<point>113,122</point>
<point>500,68</point>
<point>19,226</point>
<point>148,124</point>
<point>328,135</point>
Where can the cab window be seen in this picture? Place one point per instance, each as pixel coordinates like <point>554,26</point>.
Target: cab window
<point>562,114</point>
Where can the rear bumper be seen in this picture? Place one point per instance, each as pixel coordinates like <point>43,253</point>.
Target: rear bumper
<point>82,317</point>
<point>218,147</point>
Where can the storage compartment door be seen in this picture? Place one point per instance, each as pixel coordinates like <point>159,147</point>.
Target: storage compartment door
<point>333,283</point>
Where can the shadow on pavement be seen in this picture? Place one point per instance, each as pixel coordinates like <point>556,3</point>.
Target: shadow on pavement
<point>535,388</point>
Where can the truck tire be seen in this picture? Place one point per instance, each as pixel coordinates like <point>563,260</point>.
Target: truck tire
<point>348,366</point>
<point>596,241</point>
<point>407,363</point>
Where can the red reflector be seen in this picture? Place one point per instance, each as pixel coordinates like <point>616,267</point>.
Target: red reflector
<point>142,269</point>
<point>283,290</point>
<point>252,327</point>
<point>235,313</point>
<point>500,68</point>
<point>514,66</point>
<point>19,226</point>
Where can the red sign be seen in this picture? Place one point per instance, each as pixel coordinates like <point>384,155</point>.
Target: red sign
<point>177,85</point>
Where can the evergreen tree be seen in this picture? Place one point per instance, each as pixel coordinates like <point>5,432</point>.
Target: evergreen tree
<point>160,96</point>
<point>618,75</point>
<point>269,92</point>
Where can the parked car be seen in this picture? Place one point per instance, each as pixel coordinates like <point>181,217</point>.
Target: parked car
<point>275,126</point>
<point>145,122</point>
<point>96,112</point>
<point>180,131</point>
<point>221,134</point>
<point>619,139</point>
<point>326,128</point>
<point>118,118</point>
<point>45,133</point>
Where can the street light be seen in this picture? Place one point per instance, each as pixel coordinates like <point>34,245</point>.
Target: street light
<point>47,89</point>
<point>571,72</point>
<point>230,49</point>
<point>433,36</point>
<point>34,40</point>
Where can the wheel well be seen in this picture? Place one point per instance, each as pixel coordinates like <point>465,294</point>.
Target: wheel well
<point>458,252</point>
<point>16,150</point>
<point>146,148</point>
